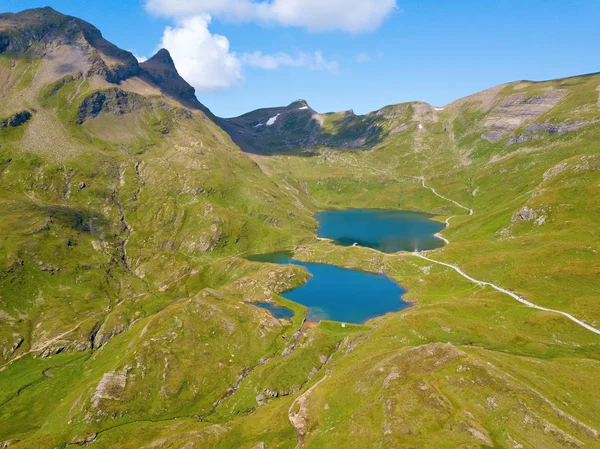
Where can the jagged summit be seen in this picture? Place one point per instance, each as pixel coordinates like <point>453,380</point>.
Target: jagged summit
<point>162,57</point>
<point>161,69</point>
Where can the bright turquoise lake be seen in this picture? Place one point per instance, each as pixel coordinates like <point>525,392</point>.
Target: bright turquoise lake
<point>341,294</point>
<point>353,296</point>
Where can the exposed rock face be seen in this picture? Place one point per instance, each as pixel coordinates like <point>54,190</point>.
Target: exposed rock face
<point>517,110</point>
<point>111,386</point>
<point>525,214</point>
<point>33,30</point>
<point>84,440</point>
<point>492,136</point>
<point>559,128</point>
<point>160,68</point>
<point>9,347</point>
<point>520,138</point>
<point>536,129</point>
<point>401,128</point>
<point>105,333</point>
<point>16,120</point>
<point>114,101</point>
<point>63,346</point>
<point>115,74</point>
<point>297,127</point>
<point>4,43</point>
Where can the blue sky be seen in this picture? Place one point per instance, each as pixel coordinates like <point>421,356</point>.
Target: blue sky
<point>430,50</point>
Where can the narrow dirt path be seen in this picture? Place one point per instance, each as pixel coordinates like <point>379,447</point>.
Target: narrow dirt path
<point>439,234</point>
<point>494,286</point>
<point>46,344</point>
<point>508,292</point>
<point>298,419</point>
<point>444,198</point>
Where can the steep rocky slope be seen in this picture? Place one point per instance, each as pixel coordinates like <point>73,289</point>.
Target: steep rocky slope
<point>125,315</point>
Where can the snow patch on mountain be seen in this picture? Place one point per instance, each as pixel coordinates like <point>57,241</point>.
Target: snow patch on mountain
<point>272,120</point>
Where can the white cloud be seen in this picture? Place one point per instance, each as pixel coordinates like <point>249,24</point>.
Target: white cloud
<point>311,61</point>
<point>354,16</point>
<point>202,59</point>
<point>362,57</point>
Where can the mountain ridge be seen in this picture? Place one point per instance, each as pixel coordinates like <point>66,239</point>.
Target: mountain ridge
<point>346,130</point>
<point>127,297</point>
<point>37,31</point>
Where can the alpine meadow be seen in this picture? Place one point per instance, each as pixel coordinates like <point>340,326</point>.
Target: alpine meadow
<point>142,305</point>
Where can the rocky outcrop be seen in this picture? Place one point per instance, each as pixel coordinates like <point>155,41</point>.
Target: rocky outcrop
<point>520,138</point>
<point>116,74</point>
<point>63,346</point>
<point>58,85</point>
<point>9,347</point>
<point>16,120</point>
<point>559,128</point>
<point>517,110</point>
<point>493,136</point>
<point>111,387</point>
<point>401,128</point>
<point>536,129</point>
<point>525,214</point>
<point>4,43</point>
<point>84,440</point>
<point>113,101</point>
<point>105,333</point>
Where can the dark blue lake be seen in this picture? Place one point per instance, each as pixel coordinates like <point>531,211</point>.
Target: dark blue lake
<point>277,312</point>
<point>341,294</point>
<point>385,230</point>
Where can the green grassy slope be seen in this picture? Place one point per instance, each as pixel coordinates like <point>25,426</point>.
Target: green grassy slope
<point>549,257</point>
<point>125,315</point>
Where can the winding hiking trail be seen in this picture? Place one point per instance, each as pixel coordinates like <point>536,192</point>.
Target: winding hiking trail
<point>444,198</point>
<point>298,419</point>
<point>484,283</point>
<point>45,345</point>
<point>439,234</point>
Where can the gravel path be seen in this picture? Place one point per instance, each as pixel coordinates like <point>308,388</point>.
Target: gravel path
<point>494,286</point>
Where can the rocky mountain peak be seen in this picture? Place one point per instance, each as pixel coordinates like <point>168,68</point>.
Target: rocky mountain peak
<point>74,46</point>
<point>22,31</point>
<point>299,104</point>
<point>162,57</point>
<point>161,70</point>
<point>37,32</point>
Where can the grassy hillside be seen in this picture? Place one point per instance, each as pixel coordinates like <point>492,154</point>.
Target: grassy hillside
<point>125,297</point>
<point>523,157</point>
